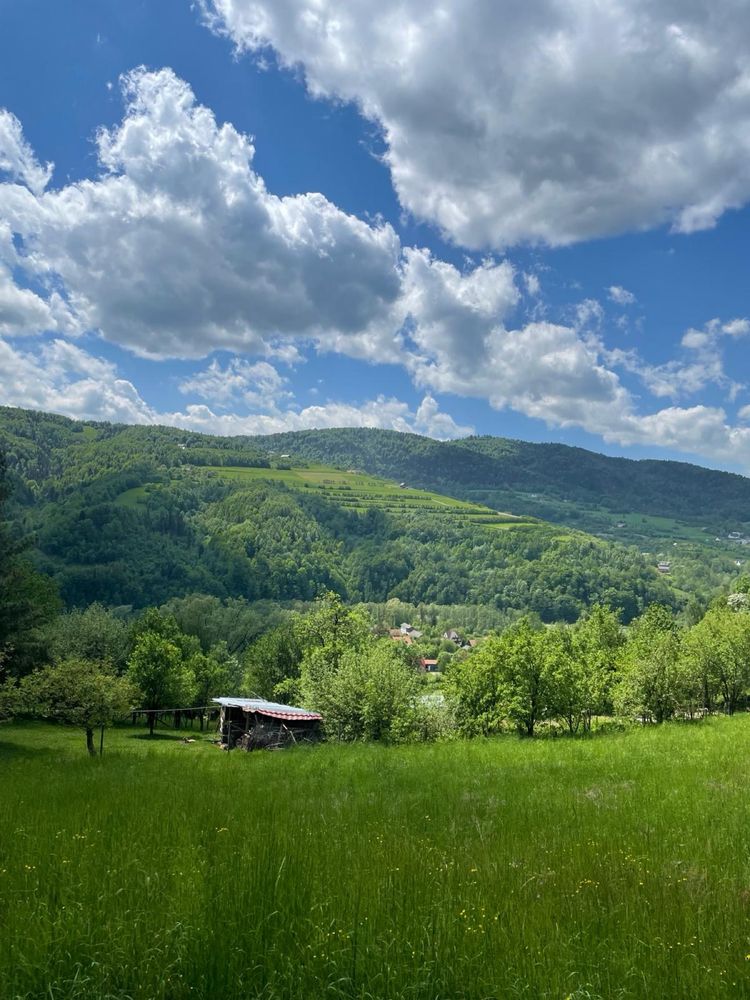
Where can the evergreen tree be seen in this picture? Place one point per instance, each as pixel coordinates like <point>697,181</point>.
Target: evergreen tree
<point>28,600</point>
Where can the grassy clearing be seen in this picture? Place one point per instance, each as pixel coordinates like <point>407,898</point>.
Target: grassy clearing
<point>134,497</point>
<point>617,867</point>
<point>354,491</point>
<point>359,491</point>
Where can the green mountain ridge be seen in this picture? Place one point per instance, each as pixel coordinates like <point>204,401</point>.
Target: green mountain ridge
<point>675,512</point>
<point>663,487</point>
<point>137,515</point>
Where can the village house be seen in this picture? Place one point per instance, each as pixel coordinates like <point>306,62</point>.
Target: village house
<point>428,666</point>
<point>398,636</point>
<point>452,635</point>
<point>257,724</point>
<point>407,629</point>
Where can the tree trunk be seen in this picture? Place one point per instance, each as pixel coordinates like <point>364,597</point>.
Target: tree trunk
<point>90,741</point>
<point>151,721</point>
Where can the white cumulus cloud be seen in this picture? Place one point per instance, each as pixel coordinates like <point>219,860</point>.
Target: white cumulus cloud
<point>21,310</point>
<point>257,384</point>
<point>179,249</point>
<point>59,377</point>
<point>548,121</point>
<point>17,159</point>
<point>700,364</point>
<point>621,296</point>
<point>383,412</point>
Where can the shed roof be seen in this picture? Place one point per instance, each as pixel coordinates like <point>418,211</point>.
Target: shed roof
<point>269,708</point>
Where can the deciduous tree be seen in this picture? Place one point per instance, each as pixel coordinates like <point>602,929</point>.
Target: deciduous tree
<point>371,694</point>
<point>652,682</point>
<point>326,635</point>
<point>78,692</point>
<point>92,633</point>
<point>507,679</point>
<point>158,670</point>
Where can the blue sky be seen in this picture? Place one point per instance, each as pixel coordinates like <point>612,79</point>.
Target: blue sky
<point>244,216</point>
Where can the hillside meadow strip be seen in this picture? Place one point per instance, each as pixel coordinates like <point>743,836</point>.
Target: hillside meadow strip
<point>612,867</point>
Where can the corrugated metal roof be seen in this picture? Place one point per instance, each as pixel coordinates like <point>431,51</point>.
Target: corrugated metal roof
<point>270,708</point>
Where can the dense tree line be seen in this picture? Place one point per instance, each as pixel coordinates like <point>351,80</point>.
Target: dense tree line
<point>100,668</point>
<point>568,675</point>
<point>331,657</point>
<point>564,485</point>
<point>53,455</point>
<point>181,584</point>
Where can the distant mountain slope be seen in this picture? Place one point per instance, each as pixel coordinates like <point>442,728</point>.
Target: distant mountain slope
<point>676,513</point>
<point>136,515</point>
<point>662,488</point>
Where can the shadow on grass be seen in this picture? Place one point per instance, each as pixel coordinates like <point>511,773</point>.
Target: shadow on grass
<point>15,750</point>
<point>158,737</point>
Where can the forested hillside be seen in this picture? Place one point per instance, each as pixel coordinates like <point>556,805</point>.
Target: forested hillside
<point>138,515</point>
<point>672,511</point>
<point>552,471</point>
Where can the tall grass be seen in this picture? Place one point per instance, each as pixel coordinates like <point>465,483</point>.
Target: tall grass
<point>616,868</point>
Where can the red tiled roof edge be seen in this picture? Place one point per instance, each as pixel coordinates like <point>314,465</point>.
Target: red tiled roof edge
<point>289,716</point>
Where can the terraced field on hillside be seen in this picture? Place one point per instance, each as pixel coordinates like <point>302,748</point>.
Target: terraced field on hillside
<point>359,491</point>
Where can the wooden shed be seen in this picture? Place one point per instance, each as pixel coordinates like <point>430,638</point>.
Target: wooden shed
<point>256,724</point>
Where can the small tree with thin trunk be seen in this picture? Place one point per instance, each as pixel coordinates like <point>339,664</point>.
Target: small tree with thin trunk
<point>78,692</point>
<point>157,669</point>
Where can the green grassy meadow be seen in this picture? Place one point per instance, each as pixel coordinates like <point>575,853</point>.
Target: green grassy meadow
<point>614,867</point>
<point>354,491</point>
<point>360,491</point>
